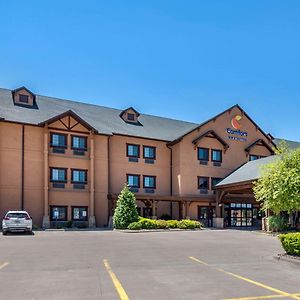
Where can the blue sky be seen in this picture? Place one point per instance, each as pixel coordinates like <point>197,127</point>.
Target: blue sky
<point>181,59</point>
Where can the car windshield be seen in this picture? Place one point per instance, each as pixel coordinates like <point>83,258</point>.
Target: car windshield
<point>17,215</point>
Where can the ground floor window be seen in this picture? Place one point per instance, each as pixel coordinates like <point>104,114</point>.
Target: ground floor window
<point>58,213</point>
<point>79,213</point>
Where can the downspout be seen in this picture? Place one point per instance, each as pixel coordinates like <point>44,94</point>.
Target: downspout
<point>171,179</point>
<point>22,167</point>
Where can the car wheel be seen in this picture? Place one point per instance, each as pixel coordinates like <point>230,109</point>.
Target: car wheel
<point>4,232</point>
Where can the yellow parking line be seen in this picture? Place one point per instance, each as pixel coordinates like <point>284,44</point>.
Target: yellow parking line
<point>116,282</point>
<point>198,260</point>
<point>263,297</point>
<point>4,265</point>
<point>264,286</point>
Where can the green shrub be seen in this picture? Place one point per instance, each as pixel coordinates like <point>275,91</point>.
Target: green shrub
<point>135,226</point>
<point>189,224</point>
<point>277,223</point>
<point>144,223</point>
<point>291,243</point>
<point>172,223</point>
<point>125,212</point>
<point>148,223</point>
<point>69,224</point>
<point>162,224</point>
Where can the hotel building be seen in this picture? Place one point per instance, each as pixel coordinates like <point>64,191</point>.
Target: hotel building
<point>64,161</point>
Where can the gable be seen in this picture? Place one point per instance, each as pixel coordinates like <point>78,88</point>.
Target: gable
<point>68,121</point>
<point>235,128</point>
<point>24,97</point>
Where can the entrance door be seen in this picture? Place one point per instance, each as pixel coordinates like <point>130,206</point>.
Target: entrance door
<point>205,215</point>
<point>241,215</point>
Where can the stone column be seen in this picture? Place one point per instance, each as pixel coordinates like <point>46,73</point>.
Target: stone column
<point>218,220</point>
<point>46,219</point>
<point>92,219</point>
<point>187,207</point>
<point>154,209</point>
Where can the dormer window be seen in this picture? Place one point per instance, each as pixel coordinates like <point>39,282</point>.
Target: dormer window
<point>130,115</point>
<point>23,98</point>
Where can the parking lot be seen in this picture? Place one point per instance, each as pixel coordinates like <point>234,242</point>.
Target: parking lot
<point>209,264</point>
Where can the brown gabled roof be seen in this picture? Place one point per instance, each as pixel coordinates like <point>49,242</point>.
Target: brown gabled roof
<point>259,142</point>
<point>23,88</point>
<point>129,108</point>
<point>211,133</point>
<point>177,140</point>
<point>71,114</point>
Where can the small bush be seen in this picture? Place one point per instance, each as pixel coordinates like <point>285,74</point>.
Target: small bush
<point>189,224</point>
<point>291,243</point>
<point>162,224</point>
<point>69,224</point>
<point>135,226</point>
<point>148,223</point>
<point>144,223</point>
<point>172,223</point>
<point>277,223</point>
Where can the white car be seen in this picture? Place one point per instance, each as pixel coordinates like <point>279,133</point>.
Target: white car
<point>17,221</point>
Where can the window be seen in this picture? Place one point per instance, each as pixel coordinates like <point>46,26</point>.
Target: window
<point>133,180</point>
<point>215,181</point>
<point>58,174</point>
<point>58,213</point>
<point>203,154</point>
<point>130,117</point>
<point>149,152</point>
<point>216,155</point>
<point>203,183</point>
<point>23,98</point>
<point>133,150</point>
<point>255,157</point>
<point>79,142</point>
<point>58,140</point>
<point>149,182</point>
<point>79,176</point>
<point>79,213</point>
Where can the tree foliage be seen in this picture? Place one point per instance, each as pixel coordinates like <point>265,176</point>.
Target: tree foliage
<point>125,211</point>
<point>279,187</point>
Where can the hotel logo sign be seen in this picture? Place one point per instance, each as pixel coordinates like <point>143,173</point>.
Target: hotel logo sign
<point>236,134</point>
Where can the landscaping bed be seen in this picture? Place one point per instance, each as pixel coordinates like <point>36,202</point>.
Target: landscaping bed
<point>291,244</point>
<point>149,224</point>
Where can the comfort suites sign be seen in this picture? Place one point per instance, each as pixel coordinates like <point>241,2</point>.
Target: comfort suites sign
<point>234,132</point>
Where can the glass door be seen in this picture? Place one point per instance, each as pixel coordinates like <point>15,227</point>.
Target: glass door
<point>241,215</point>
<point>205,215</point>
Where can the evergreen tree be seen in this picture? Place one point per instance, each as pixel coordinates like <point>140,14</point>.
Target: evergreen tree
<point>125,211</point>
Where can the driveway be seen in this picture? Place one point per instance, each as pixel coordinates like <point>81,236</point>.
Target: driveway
<point>208,264</point>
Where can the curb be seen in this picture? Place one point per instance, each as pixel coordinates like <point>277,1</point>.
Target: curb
<point>288,258</point>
